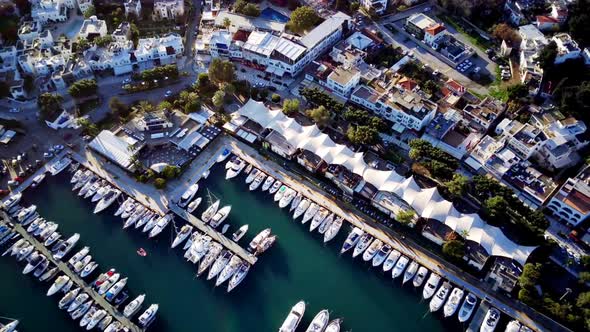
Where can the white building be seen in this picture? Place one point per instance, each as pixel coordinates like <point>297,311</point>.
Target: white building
<point>379,6</point>
<point>133,7</point>
<point>567,48</point>
<point>533,41</point>
<point>122,33</point>
<point>164,49</point>
<point>84,5</point>
<point>93,27</point>
<point>571,204</point>
<point>9,73</point>
<point>116,56</point>
<point>29,30</point>
<point>343,79</point>
<point>49,11</point>
<point>406,109</point>
<point>168,9</point>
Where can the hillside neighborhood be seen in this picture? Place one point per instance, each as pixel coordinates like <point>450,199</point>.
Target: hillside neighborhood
<point>456,126</point>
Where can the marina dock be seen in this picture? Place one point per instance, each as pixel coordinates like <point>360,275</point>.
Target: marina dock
<point>216,236</point>
<point>478,317</point>
<point>79,282</point>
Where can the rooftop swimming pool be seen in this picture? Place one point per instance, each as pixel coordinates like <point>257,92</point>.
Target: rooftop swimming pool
<point>273,15</point>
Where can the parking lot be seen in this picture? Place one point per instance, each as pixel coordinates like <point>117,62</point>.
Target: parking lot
<point>261,79</point>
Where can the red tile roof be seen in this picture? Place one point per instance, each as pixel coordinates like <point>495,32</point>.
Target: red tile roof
<point>435,29</point>
<point>546,19</point>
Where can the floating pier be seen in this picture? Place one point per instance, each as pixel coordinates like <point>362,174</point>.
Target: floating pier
<point>79,282</point>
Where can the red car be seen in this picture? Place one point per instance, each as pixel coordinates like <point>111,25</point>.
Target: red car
<point>18,179</point>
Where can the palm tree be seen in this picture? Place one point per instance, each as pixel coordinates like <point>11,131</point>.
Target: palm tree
<point>144,106</point>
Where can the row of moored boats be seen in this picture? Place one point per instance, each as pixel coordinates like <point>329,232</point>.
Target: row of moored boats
<point>320,323</point>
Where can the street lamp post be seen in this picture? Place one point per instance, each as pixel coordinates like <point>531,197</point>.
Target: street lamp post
<point>567,291</point>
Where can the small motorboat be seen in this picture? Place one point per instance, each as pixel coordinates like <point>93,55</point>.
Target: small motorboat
<point>141,252</point>
<point>239,233</point>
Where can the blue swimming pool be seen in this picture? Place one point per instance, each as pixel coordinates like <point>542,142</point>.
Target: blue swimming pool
<point>273,15</point>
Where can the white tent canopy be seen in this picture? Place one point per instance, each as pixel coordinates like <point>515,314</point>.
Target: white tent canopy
<point>427,202</point>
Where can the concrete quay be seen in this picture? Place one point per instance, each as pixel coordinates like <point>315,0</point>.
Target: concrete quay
<point>79,282</point>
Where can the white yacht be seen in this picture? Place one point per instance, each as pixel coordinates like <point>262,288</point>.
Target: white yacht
<point>326,223</point>
<point>33,262</point>
<point>92,180</point>
<point>362,245</point>
<point>210,212</point>
<point>294,318</point>
<point>420,276</point>
<point>139,213</point>
<point>236,168</point>
<point>287,198</point>
<point>115,289</point>
<point>133,307</point>
<point>78,301</point>
<point>252,175</point>
<point>275,186</point>
<point>148,316</point>
<point>381,255</point>
<point>238,276</point>
<point>129,209</point>
<point>102,325</point>
<point>333,230</point>
<point>513,326</point>
<point>160,225</point>
<point>301,208</point>
<point>114,327</point>
<point>101,192</point>
<point>267,183</point>
<point>89,268</point>
<point>85,177</point>
<point>453,302</point>
<point>108,283</point>
<point>295,202</point>
<point>81,310</point>
<point>224,154</point>
<point>95,318</point>
<point>318,218</point>
<point>150,223</point>
<point>410,272</point>
<point>184,232</point>
<point>239,233</point>
<point>374,247</point>
<point>188,195</point>
<point>265,244</point>
<point>149,218</point>
<point>399,267</point>
<point>440,297</point>
<point>430,286</point>
<point>258,239</point>
<point>280,193</point>
<point>10,327</point>
<point>352,239</point>
<point>82,263</point>
<point>192,206</point>
<point>228,270</point>
<point>219,264</point>
<point>49,274</point>
<point>50,228</point>
<point>78,256</point>
<point>310,212</point>
<point>68,298</point>
<point>467,307</point>
<point>194,237</point>
<point>214,252</point>
<point>24,252</point>
<point>26,213</point>
<point>107,200</point>
<point>490,321</point>
<point>66,247</point>
<point>76,176</point>
<point>12,201</point>
<point>319,322</point>
<point>220,216</point>
<point>198,249</point>
<point>94,188</point>
<point>59,166</point>
<point>123,206</point>
<point>334,326</point>
<point>58,284</point>
<point>37,180</point>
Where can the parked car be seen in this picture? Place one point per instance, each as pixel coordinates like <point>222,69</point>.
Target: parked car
<point>168,94</point>
<point>126,81</point>
<point>14,110</point>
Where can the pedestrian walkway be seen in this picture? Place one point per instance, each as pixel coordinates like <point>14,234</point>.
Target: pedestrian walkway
<point>76,279</point>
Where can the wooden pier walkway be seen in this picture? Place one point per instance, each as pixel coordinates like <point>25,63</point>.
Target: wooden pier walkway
<point>478,316</point>
<point>216,236</point>
<point>79,282</point>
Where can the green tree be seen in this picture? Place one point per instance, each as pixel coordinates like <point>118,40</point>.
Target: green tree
<point>290,106</point>
<point>83,88</point>
<point>458,185</point>
<point>170,172</point>
<point>144,106</point>
<point>251,10</point>
<point>91,11</point>
<point>354,6</point>
<point>516,91</point>
<point>321,116</point>
<point>454,250</point>
<point>103,41</point>
<point>134,34</point>
<point>585,260</point>
<point>164,105</point>
<point>218,98</point>
<point>239,6</point>
<point>226,22</point>
<point>547,56</point>
<point>118,108</point>
<point>583,300</point>
<point>88,128</point>
<point>82,44</point>
<point>221,71</point>
<point>405,217</point>
<point>362,135</point>
<point>303,19</point>
<point>49,105</point>
<point>275,98</point>
<point>495,207</point>
<point>192,105</point>
<point>531,273</point>
<point>584,276</point>
<point>160,183</point>
<point>419,149</point>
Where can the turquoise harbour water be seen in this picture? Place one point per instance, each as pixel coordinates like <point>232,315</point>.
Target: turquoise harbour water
<point>299,266</point>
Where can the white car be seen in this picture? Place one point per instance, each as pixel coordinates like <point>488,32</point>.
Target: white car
<point>168,94</point>
<point>14,110</point>
<point>126,81</point>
